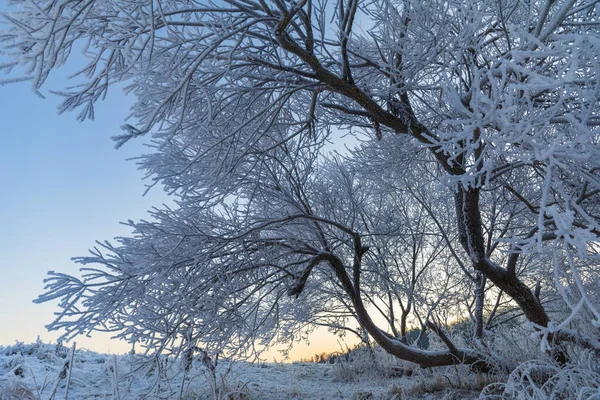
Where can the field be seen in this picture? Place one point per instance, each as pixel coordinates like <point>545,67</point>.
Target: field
<point>53,372</point>
<point>44,371</point>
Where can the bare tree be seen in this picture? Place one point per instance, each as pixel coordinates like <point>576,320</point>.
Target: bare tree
<point>499,99</point>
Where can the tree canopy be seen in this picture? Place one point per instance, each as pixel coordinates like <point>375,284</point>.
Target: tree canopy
<point>469,189</point>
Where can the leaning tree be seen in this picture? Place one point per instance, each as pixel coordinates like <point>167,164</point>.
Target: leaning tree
<point>494,101</point>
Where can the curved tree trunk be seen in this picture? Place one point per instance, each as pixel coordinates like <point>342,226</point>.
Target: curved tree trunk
<point>403,351</point>
<point>470,228</point>
<point>393,345</point>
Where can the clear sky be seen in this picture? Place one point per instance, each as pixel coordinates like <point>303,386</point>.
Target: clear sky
<point>63,186</point>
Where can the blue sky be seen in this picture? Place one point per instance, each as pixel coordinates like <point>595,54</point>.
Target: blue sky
<point>63,187</point>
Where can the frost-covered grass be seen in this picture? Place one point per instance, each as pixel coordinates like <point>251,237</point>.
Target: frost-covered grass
<point>44,372</point>
<point>41,372</point>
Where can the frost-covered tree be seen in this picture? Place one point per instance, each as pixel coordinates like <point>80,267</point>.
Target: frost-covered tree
<point>491,106</point>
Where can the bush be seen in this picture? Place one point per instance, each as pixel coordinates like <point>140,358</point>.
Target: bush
<point>539,380</point>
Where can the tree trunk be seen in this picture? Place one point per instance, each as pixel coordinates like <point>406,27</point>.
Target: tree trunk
<point>479,303</point>
<point>472,239</point>
<point>395,346</point>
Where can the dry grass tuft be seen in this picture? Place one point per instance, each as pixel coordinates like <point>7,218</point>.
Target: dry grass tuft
<point>444,383</point>
<point>16,391</point>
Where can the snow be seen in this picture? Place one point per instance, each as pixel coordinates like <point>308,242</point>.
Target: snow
<point>33,371</point>
<point>309,381</point>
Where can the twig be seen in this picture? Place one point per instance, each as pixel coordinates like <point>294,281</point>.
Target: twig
<point>438,331</point>
<point>115,379</point>
<point>37,389</point>
<point>70,369</point>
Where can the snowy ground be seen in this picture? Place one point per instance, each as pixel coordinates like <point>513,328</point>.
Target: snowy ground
<point>41,371</point>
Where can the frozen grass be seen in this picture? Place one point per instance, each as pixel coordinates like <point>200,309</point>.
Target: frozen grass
<point>43,372</point>
<point>47,372</point>
<point>538,380</point>
<point>50,372</point>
